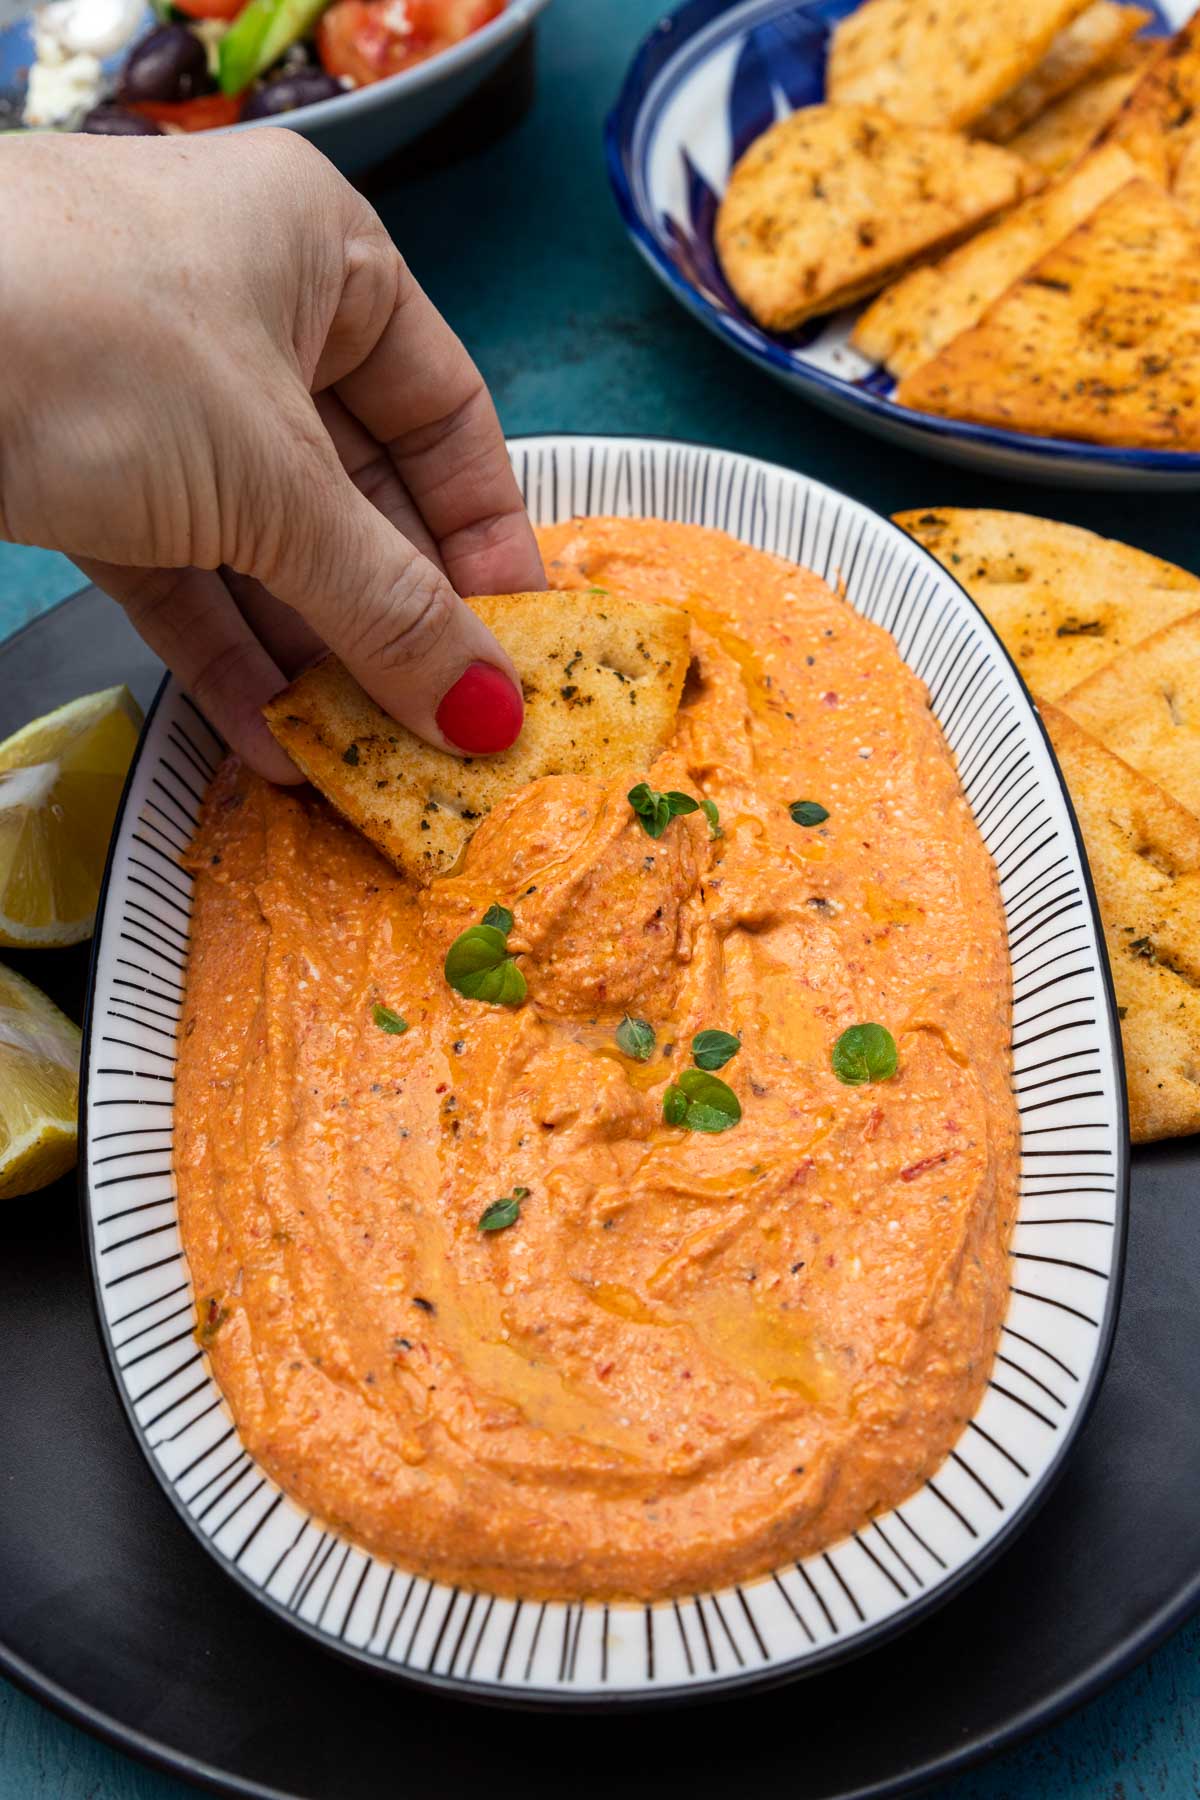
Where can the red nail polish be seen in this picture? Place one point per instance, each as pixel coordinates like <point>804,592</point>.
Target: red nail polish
<point>482,712</point>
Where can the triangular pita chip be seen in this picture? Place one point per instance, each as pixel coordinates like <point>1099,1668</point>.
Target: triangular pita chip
<point>1161,117</point>
<point>1145,707</point>
<point>831,202</point>
<point>940,66</point>
<point>1086,44</point>
<point>1066,130</point>
<point>1099,342</point>
<point>1144,853</point>
<point>914,318</point>
<point>1064,601</point>
<point>601,678</point>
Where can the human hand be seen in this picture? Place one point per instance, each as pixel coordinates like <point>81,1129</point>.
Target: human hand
<point>227,399</point>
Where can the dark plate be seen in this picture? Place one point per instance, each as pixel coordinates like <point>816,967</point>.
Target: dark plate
<point>112,1613</point>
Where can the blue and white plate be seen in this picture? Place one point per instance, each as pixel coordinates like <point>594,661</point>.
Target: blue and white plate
<point>1067,1248</point>
<point>709,79</point>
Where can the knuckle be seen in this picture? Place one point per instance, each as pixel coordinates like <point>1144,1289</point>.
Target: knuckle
<point>377,481</point>
<point>411,620</point>
<point>218,683</point>
<point>150,597</point>
<point>290,152</point>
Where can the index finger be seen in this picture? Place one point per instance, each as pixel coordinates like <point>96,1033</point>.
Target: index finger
<point>419,393</point>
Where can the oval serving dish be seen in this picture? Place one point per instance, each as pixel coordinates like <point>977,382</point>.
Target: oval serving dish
<point>1066,1252</point>
<point>706,82</point>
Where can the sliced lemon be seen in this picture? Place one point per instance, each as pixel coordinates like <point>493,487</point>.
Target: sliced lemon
<point>60,784</point>
<point>39,1087</point>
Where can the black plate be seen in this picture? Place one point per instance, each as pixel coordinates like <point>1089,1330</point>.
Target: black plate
<point>111,1612</point>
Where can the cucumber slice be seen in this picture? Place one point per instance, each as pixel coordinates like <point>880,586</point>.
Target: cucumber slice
<point>258,37</point>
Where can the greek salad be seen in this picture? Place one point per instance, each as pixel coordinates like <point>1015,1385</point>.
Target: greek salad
<point>206,63</point>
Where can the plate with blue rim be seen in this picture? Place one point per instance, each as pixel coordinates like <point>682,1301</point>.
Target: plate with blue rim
<point>1066,1252</point>
<point>708,80</point>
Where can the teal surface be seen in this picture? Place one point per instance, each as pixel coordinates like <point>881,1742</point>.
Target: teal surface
<point>522,249</point>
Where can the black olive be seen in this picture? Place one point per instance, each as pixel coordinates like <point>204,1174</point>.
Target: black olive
<point>170,63</point>
<point>110,120</point>
<point>304,88</point>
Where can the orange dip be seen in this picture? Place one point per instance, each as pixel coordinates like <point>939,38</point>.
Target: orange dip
<point>694,1356</point>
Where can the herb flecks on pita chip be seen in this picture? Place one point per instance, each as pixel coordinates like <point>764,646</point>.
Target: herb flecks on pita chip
<point>1099,342</point>
<point>936,66</point>
<point>1161,118</point>
<point>601,678</point>
<point>1063,601</point>
<point>925,310</point>
<point>830,203</point>
<point>1144,852</point>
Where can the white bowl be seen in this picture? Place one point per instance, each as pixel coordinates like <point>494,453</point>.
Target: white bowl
<point>1067,1249</point>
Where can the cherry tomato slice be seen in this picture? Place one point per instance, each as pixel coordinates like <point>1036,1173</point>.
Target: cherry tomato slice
<point>205,113</point>
<point>210,9</point>
<point>452,20</point>
<point>369,39</point>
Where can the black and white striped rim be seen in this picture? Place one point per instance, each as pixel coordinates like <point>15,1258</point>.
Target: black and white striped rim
<point>1067,1248</point>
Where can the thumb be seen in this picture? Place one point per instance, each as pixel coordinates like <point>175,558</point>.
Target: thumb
<point>393,618</point>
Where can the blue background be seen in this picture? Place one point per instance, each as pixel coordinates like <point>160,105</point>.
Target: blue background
<point>521,248</point>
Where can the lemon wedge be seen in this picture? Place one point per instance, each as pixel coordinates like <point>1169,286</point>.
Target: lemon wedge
<point>39,1087</point>
<point>60,785</point>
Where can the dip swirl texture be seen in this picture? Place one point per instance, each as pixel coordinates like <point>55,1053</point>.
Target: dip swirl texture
<point>693,1356</point>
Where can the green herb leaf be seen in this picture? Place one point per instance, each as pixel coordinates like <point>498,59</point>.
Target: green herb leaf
<point>636,1038</point>
<point>651,808</point>
<point>864,1053</point>
<point>701,1102</point>
<point>597,590</point>
<point>387,1020</point>
<point>350,755</point>
<point>500,917</point>
<point>709,809</point>
<point>502,1213</point>
<point>807,812</point>
<point>520,1193</point>
<point>656,810</point>
<point>478,966</point>
<point>713,1049</point>
<point>674,1105</point>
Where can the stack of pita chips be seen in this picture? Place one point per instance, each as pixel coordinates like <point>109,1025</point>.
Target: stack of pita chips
<point>1108,638</point>
<point>1077,316</point>
<point>830,203</point>
<point>1018,182</point>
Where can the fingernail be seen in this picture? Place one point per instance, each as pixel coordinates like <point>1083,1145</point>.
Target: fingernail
<point>482,712</point>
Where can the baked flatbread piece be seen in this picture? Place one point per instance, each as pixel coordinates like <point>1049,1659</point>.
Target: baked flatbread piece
<point>1161,117</point>
<point>601,678</point>
<point>1063,601</point>
<point>1145,707</point>
<point>1088,42</point>
<point>1185,187</point>
<point>1144,853</point>
<point>922,312</point>
<point>930,65</point>
<point>1098,342</point>
<point>831,202</point>
<point>1061,135</point>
